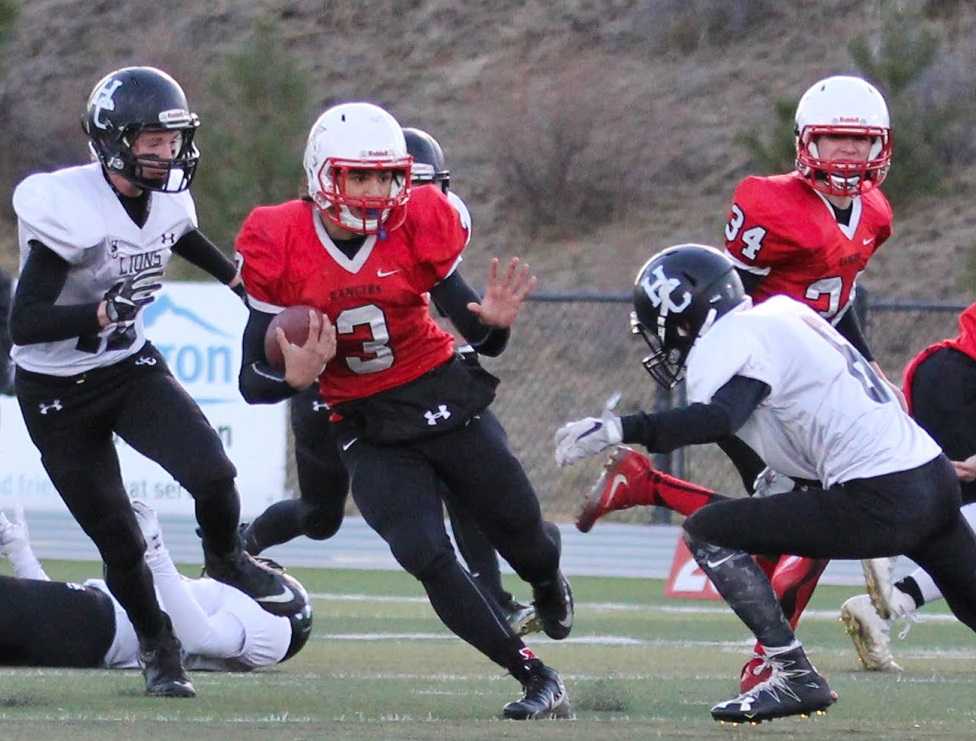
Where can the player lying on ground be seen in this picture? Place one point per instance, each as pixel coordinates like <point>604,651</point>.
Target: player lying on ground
<point>52,623</point>
<point>782,379</point>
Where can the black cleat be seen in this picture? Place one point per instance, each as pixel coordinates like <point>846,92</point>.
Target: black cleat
<point>554,606</point>
<point>260,582</point>
<point>793,688</point>
<point>245,536</point>
<point>545,697</point>
<point>522,618</point>
<point>162,666</point>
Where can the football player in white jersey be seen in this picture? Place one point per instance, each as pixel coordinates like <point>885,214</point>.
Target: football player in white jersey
<point>783,380</point>
<point>323,483</point>
<point>83,625</point>
<point>94,243</point>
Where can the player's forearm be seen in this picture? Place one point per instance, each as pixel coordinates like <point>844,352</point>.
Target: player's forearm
<point>258,382</point>
<point>196,249</point>
<point>35,317</point>
<point>452,296</point>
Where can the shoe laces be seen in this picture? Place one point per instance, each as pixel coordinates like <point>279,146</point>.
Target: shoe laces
<point>780,680</point>
<point>905,623</point>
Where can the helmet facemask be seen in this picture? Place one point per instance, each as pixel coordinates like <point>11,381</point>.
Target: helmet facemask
<point>362,214</point>
<point>843,177</point>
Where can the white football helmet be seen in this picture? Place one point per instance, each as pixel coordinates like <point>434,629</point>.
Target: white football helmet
<point>843,105</point>
<point>357,136</point>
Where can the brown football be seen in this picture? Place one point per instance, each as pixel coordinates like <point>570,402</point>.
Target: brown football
<point>294,321</point>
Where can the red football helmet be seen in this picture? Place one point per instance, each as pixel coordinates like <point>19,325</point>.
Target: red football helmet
<point>842,106</point>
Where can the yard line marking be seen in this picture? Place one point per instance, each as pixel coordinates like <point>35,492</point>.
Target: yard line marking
<point>621,607</point>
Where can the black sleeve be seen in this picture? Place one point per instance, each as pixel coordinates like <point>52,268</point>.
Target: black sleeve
<point>728,410</point>
<point>34,317</point>
<point>258,382</point>
<point>5,290</point>
<point>195,248</point>
<point>850,329</point>
<point>746,461</point>
<point>749,280</point>
<point>452,296</point>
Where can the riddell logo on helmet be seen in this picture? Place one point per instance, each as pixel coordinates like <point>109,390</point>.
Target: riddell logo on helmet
<point>850,119</point>
<point>377,153</point>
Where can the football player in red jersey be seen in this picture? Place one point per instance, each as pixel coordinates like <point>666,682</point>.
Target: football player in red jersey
<point>807,234</point>
<point>408,413</point>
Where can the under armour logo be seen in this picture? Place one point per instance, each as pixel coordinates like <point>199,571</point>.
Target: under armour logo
<point>113,249</point>
<point>102,101</point>
<point>54,406</point>
<point>441,413</point>
<point>146,360</point>
<point>318,406</point>
<point>168,238</point>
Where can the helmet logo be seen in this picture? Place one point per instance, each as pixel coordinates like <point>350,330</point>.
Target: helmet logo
<point>659,292</point>
<point>103,102</point>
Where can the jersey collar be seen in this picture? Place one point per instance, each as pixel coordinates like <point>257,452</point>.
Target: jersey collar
<point>349,265</point>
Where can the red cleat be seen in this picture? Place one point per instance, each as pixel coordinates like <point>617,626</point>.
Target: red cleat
<point>755,671</point>
<point>626,481</point>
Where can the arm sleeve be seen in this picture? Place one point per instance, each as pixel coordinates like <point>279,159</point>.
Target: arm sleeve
<point>728,410</point>
<point>258,382</point>
<point>850,329</point>
<point>452,296</point>
<point>35,317</point>
<point>749,280</point>
<point>196,249</point>
<point>746,461</point>
<point>220,634</point>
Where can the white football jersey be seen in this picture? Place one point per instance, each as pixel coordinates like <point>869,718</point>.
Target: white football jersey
<point>266,637</point>
<point>828,416</point>
<point>76,213</point>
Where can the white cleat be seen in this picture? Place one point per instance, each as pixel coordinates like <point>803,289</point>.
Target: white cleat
<point>869,633</point>
<point>877,578</point>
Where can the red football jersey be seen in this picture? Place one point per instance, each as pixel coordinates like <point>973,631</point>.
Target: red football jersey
<point>964,343</point>
<point>377,300</point>
<point>782,229</point>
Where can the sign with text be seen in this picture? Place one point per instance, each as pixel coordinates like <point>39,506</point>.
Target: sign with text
<point>687,580</point>
<point>197,327</point>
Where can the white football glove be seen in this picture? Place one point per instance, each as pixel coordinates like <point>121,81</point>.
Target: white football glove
<point>149,525</point>
<point>14,537</point>
<point>770,482</point>
<point>585,437</point>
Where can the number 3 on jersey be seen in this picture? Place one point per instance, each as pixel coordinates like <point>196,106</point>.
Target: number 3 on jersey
<point>751,238</point>
<point>378,346</point>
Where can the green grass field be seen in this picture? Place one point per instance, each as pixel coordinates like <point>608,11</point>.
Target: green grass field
<point>380,666</point>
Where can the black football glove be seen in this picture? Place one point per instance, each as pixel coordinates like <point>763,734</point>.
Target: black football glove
<point>125,298</point>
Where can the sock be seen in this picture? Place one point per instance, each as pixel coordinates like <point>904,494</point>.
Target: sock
<point>133,588</point>
<point>279,523</point>
<point>218,511</point>
<point>909,588</point>
<point>679,495</point>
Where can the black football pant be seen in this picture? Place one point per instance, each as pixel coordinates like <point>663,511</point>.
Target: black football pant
<point>72,420</point>
<point>913,513</point>
<point>397,489</point>
<point>49,623</point>
<point>323,485</point>
<point>943,400</point>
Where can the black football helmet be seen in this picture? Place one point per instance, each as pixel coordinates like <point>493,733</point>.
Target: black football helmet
<point>428,159</point>
<point>299,614</point>
<point>129,101</point>
<point>678,294</point>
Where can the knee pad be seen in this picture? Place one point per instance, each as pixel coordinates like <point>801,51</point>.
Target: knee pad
<point>119,541</point>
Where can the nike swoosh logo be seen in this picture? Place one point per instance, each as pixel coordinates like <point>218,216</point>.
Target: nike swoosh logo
<point>867,241</point>
<point>596,426</point>
<point>346,446</point>
<point>618,481</point>
<point>716,564</point>
<point>285,595</point>
<point>386,273</point>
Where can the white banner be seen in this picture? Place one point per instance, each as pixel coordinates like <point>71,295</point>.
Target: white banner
<point>197,327</point>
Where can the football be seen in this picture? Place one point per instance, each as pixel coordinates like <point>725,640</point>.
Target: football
<point>294,321</point>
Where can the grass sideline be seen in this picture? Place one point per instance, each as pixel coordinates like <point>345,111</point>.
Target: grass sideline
<point>380,666</point>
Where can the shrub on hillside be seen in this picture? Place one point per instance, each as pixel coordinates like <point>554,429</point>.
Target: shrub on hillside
<point>257,116</point>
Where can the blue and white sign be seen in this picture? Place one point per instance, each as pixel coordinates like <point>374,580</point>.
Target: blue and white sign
<point>197,327</point>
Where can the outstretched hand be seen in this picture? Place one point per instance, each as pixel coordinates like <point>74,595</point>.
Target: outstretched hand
<point>13,532</point>
<point>504,294</point>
